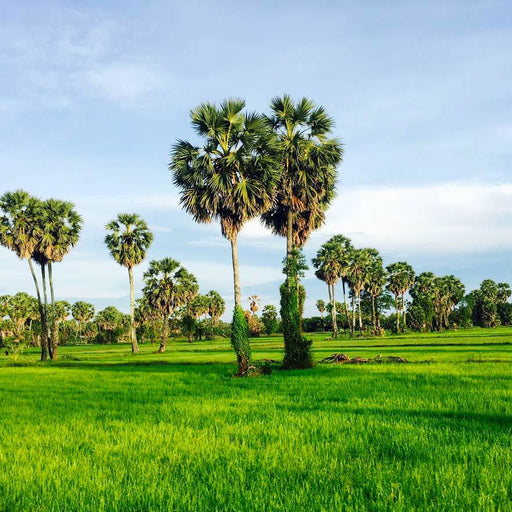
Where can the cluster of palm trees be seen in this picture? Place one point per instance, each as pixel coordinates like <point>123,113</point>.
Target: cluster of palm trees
<point>41,232</point>
<point>279,167</point>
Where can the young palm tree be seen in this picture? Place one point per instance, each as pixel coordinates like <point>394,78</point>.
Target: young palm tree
<point>128,241</point>
<point>254,304</point>
<point>309,156</point>
<point>230,178</point>
<point>168,286</point>
<point>20,231</point>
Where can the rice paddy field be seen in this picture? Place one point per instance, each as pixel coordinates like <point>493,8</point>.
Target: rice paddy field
<point>103,430</point>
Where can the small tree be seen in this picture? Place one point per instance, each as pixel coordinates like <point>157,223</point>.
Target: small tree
<point>269,319</point>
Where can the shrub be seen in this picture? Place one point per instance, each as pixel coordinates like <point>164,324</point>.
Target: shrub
<point>240,339</point>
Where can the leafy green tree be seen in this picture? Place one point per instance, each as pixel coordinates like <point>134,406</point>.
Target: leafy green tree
<point>168,286</point>
<point>357,275</point>
<point>269,319</point>
<point>230,178</point>
<point>375,280</point>
<point>423,293</point>
<point>128,240</point>
<point>82,312</point>
<point>111,321</point>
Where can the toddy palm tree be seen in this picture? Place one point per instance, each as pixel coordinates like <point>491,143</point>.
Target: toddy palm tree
<point>168,286</point>
<point>20,231</point>
<point>254,304</point>
<point>61,226</point>
<point>375,281</point>
<point>82,312</point>
<point>128,241</point>
<point>400,280</point>
<point>309,156</point>
<point>361,260</point>
<point>230,178</point>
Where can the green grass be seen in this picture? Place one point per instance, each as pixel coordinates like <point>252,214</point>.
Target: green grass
<point>105,430</point>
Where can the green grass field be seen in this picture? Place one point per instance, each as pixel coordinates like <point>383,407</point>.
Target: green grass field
<point>104,430</point>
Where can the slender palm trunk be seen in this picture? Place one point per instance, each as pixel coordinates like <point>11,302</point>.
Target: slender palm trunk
<point>44,346</point>
<point>135,346</point>
<point>397,314</point>
<point>404,326</point>
<point>289,233</point>
<point>236,270</point>
<point>353,323</point>
<point>163,342</point>
<point>359,313</point>
<point>53,322</point>
<point>333,312</point>
<point>374,315</point>
<point>45,308</point>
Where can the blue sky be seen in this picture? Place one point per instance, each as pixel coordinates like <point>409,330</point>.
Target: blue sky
<point>93,94</point>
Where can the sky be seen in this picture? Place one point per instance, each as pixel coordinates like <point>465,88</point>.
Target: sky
<point>94,94</point>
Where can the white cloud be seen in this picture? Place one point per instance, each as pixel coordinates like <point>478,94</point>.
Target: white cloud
<point>449,218</point>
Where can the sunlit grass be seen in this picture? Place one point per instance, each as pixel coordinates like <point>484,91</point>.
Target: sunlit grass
<point>105,430</point>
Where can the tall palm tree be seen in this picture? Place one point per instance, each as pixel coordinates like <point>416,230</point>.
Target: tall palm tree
<point>231,178</point>
<point>309,156</point>
<point>168,286</point>
<point>20,231</point>
<point>375,281</point>
<point>128,241</point>
<point>61,226</point>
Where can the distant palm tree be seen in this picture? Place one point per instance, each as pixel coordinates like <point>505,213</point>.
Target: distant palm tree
<point>254,304</point>
<point>128,241</point>
<point>309,156</point>
<point>82,312</point>
<point>168,286</point>
<point>375,281</point>
<point>361,259</point>
<point>400,280</point>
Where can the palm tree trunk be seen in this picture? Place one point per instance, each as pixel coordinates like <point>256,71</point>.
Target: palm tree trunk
<point>289,233</point>
<point>236,270</point>
<point>135,346</point>
<point>333,313</point>
<point>359,313</point>
<point>374,315</point>
<point>353,323</point>
<point>404,326</point>
<point>45,295</point>
<point>163,342</point>
<point>397,315</point>
<point>54,326</point>
<point>44,347</point>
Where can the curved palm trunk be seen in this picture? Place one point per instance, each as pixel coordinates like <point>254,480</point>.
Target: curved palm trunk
<point>236,271</point>
<point>163,341</point>
<point>44,348</point>
<point>45,308</point>
<point>333,311</point>
<point>135,346</point>
<point>53,324</point>
<point>353,323</point>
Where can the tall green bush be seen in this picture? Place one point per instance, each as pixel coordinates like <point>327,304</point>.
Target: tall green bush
<point>240,340</point>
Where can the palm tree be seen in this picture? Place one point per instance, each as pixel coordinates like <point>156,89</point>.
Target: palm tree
<point>400,280</point>
<point>128,241</point>
<point>61,226</point>
<point>328,269</point>
<point>254,304</point>
<point>375,281</point>
<point>216,307</point>
<point>20,231</point>
<point>168,286</point>
<point>230,178</point>
<point>361,260</point>
<point>309,156</point>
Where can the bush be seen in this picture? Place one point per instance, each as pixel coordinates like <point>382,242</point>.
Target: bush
<point>240,339</point>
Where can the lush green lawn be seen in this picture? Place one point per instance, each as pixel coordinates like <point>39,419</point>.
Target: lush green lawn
<point>105,430</point>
